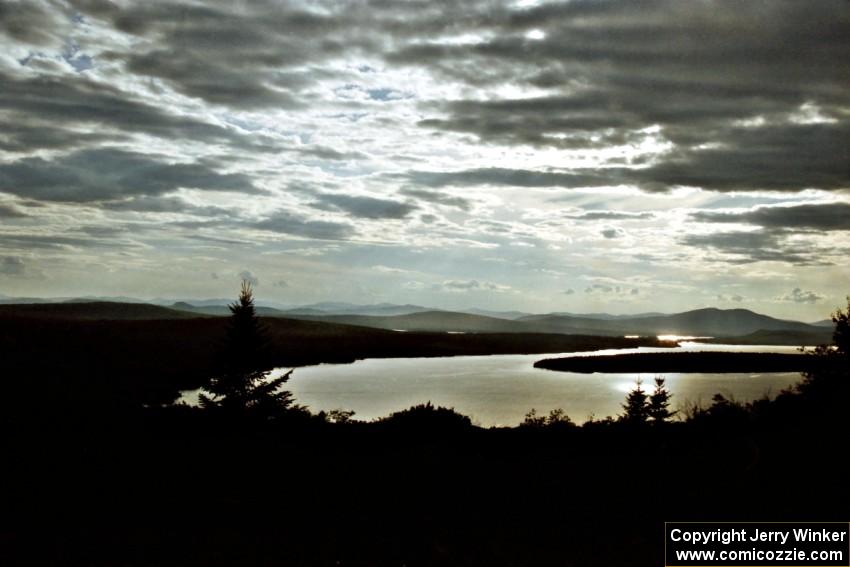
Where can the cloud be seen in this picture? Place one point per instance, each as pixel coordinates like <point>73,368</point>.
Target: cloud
<point>797,295</point>
<point>438,198</point>
<point>90,112</point>
<point>246,275</point>
<point>10,212</point>
<point>507,177</point>
<point>613,232</point>
<point>281,284</point>
<point>364,207</point>
<point>821,217</point>
<point>244,56</point>
<point>110,174</point>
<point>610,215</point>
<point>786,158</point>
<point>735,298</point>
<point>40,241</point>
<point>613,290</point>
<point>31,23</point>
<point>570,291</point>
<point>463,286</point>
<point>287,223</point>
<point>761,246</point>
<point>12,266</point>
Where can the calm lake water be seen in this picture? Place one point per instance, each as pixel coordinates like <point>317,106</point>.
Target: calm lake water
<point>501,389</point>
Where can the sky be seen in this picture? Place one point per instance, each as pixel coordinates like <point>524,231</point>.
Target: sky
<point>583,155</point>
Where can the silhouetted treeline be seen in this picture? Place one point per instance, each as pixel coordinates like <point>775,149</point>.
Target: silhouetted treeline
<point>150,361</point>
<point>715,362</point>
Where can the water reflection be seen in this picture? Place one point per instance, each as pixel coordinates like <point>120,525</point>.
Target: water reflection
<point>500,389</point>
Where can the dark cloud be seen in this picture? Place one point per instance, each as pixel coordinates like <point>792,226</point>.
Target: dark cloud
<point>247,55</point>
<point>613,232</point>
<point>825,217</point>
<point>287,223</point>
<point>111,174</point>
<point>48,112</point>
<point>364,207</point>
<point>10,212</point>
<point>797,295</point>
<point>158,204</point>
<point>32,23</point>
<point>28,241</point>
<point>12,266</point>
<point>509,177</point>
<point>610,215</point>
<point>760,246</point>
<point>789,157</point>
<point>778,158</point>
<point>469,285</point>
<point>438,198</point>
<point>327,153</point>
<point>691,71</point>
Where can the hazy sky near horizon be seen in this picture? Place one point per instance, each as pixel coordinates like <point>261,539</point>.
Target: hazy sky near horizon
<point>582,155</point>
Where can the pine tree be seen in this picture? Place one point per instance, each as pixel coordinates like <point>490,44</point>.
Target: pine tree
<point>241,384</point>
<point>636,406</point>
<point>659,402</point>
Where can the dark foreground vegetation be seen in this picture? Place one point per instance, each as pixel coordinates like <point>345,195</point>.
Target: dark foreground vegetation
<point>251,478</point>
<point>60,353</point>
<point>715,362</point>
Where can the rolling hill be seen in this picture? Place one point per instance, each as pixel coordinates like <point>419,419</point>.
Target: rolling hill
<point>701,322</point>
<point>91,311</point>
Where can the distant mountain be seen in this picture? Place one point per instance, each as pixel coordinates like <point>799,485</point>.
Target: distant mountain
<point>701,322</point>
<point>816,337</point>
<point>434,321</point>
<point>103,299</point>
<point>4,300</point>
<point>337,308</point>
<point>510,315</point>
<point>708,322</point>
<point>96,310</point>
<point>215,302</point>
<point>824,323</point>
<point>222,310</point>
<point>600,316</point>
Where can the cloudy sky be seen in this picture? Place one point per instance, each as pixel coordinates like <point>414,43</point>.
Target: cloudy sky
<point>581,155</point>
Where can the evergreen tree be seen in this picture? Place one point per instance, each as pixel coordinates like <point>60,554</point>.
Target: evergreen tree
<point>841,334</point>
<point>636,406</point>
<point>659,402</point>
<point>241,384</point>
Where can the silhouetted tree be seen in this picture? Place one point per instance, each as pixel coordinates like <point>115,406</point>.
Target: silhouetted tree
<point>556,418</point>
<point>830,381</point>
<point>241,384</point>
<point>636,406</point>
<point>841,334</point>
<point>659,402</point>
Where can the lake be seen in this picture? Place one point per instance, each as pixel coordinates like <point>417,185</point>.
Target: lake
<point>500,389</point>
